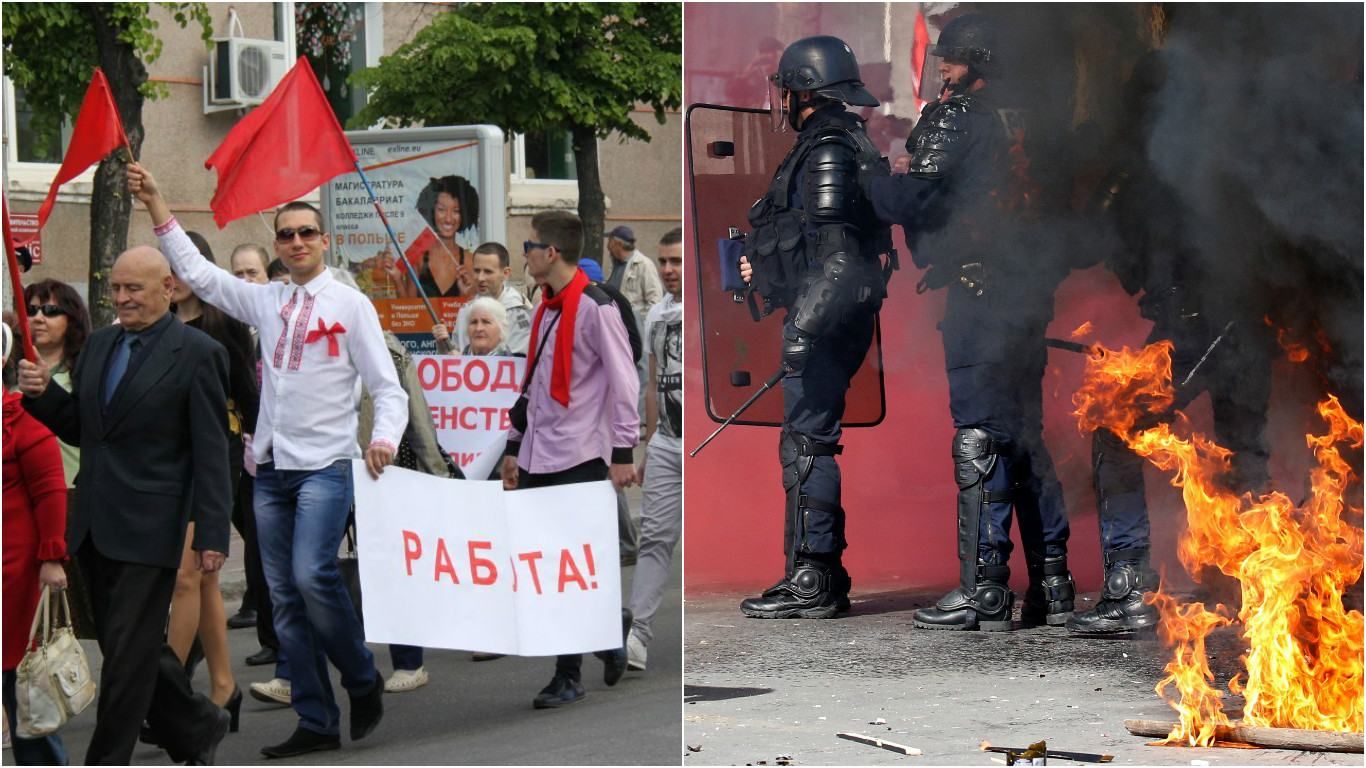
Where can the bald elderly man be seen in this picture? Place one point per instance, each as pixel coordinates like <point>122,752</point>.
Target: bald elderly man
<point>148,409</point>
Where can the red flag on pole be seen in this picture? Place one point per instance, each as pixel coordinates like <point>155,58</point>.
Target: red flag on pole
<point>285,148</point>
<point>919,43</point>
<point>12,263</point>
<point>98,131</point>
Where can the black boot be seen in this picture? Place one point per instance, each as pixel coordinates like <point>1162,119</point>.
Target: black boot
<point>1051,593</point>
<point>1121,608</point>
<point>984,604</point>
<point>808,593</point>
<point>842,583</point>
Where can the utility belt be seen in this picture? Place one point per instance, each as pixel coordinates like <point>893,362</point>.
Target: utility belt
<point>970,276</point>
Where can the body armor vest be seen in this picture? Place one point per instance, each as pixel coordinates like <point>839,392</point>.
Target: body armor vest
<point>780,246</point>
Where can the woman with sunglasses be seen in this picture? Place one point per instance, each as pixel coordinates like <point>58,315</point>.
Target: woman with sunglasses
<point>59,325</point>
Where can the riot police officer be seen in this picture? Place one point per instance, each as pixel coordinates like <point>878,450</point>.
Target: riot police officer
<point>966,218</point>
<point>813,250</point>
<point>1156,259</point>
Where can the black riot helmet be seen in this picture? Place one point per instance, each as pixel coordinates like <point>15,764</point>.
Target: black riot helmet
<point>822,65</point>
<point>968,39</point>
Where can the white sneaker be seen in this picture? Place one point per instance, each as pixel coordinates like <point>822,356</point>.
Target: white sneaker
<point>635,652</point>
<point>276,691</point>
<point>406,680</point>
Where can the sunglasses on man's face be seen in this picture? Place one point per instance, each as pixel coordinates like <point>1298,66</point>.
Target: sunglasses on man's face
<point>306,234</point>
<point>529,245</point>
<point>46,310</point>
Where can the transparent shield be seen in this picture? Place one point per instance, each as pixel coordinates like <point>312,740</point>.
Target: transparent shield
<point>732,155</point>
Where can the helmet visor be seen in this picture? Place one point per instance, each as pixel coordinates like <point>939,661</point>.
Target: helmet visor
<point>931,83</point>
<point>778,105</point>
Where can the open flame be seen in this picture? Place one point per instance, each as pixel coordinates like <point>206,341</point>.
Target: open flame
<point>1293,562</point>
<point>1082,330</point>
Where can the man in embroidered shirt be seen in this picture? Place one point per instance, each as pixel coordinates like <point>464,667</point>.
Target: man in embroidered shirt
<point>318,339</point>
<point>581,421</point>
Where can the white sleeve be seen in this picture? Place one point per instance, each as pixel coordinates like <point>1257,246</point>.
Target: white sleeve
<point>247,302</point>
<point>376,368</point>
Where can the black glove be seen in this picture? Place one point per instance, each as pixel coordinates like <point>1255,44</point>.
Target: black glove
<point>796,349</point>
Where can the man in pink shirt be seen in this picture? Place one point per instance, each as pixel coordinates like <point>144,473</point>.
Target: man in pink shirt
<point>581,422</point>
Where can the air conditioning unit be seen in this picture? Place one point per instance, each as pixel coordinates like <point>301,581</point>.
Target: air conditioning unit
<point>243,71</point>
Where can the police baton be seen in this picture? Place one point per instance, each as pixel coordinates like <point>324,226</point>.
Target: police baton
<point>770,384</point>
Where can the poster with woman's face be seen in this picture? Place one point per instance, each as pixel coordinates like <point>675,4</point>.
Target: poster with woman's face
<point>429,191</point>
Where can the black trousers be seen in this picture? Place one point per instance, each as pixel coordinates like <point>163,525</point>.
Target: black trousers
<point>140,677</point>
<point>258,594</point>
<point>570,664</point>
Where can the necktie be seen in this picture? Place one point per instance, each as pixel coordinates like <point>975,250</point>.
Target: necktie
<point>119,365</point>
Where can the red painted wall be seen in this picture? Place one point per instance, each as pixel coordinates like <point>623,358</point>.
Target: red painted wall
<point>898,482</point>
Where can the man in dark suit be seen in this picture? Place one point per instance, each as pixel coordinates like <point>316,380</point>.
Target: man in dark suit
<point>148,409</point>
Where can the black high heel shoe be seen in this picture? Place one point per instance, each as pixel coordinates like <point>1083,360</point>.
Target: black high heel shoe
<point>234,708</point>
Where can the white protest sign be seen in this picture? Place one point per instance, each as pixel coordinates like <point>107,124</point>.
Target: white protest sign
<point>464,564</point>
<point>469,397</point>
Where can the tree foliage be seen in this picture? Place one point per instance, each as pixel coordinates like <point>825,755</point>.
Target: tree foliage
<point>532,67</point>
<point>529,67</point>
<point>51,48</point>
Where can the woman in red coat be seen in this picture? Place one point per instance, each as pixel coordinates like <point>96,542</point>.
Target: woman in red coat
<point>34,548</point>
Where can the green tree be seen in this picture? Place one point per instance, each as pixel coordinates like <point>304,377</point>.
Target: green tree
<point>50,51</point>
<point>529,67</point>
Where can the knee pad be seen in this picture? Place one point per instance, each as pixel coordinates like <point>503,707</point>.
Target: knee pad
<point>975,454</point>
<point>798,453</point>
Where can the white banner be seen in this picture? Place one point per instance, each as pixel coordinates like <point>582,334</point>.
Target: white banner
<point>469,398</point>
<point>464,564</point>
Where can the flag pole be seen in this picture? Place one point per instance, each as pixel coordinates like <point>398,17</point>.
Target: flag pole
<point>20,306</point>
<point>446,347</point>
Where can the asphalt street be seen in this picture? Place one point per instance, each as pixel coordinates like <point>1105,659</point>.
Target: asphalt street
<point>472,713</point>
<point>776,692</point>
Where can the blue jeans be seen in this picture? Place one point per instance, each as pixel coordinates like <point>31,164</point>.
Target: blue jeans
<point>44,750</point>
<point>300,520</point>
<point>407,657</point>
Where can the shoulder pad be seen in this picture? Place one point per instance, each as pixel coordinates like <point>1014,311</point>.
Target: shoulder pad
<point>952,115</point>
<point>941,138</point>
<point>598,293</point>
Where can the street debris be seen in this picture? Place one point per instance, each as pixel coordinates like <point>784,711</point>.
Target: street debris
<point>1274,738</point>
<point>1080,757</point>
<point>873,741</point>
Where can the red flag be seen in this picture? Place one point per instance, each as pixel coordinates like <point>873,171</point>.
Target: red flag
<point>12,263</point>
<point>285,148</point>
<point>98,131</point>
<point>920,42</point>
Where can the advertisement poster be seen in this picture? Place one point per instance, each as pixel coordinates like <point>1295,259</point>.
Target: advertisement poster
<point>442,191</point>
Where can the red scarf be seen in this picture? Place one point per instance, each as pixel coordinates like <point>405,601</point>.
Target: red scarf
<point>567,302</point>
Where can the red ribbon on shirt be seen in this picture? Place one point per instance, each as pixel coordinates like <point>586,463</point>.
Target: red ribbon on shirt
<point>333,348</point>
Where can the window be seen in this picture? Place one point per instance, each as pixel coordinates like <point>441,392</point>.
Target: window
<point>338,39</point>
<point>31,146</point>
<point>543,156</point>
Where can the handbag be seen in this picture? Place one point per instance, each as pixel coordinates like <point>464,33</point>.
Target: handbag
<point>53,682</point>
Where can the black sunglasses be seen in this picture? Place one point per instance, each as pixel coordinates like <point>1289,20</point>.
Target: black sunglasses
<point>47,310</point>
<point>307,234</point>
<point>528,245</point>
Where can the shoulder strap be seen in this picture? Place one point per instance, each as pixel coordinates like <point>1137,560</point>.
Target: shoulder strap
<point>531,369</point>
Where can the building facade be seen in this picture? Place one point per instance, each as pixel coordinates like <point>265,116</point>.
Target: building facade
<point>641,180</point>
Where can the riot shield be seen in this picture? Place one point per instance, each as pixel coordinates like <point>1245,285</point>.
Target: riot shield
<point>732,155</point>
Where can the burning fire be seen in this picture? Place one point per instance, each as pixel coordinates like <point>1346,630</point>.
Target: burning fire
<point>1295,352</point>
<point>1082,330</point>
<point>1304,659</point>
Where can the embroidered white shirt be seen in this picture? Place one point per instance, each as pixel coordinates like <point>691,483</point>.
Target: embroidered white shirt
<point>319,341</point>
